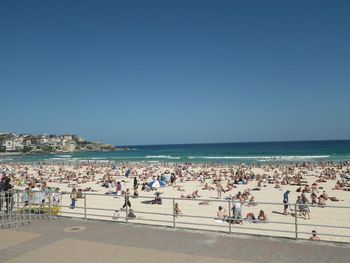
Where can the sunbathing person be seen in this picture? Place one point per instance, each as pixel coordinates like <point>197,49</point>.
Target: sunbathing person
<point>195,194</point>
<point>222,213</point>
<point>177,210</point>
<point>262,217</point>
<point>250,217</point>
<point>157,200</point>
<point>207,187</point>
<point>321,201</point>
<point>252,201</point>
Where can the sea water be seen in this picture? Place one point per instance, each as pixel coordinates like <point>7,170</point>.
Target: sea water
<point>257,152</point>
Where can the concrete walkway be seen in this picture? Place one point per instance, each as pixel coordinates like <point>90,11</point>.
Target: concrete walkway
<point>68,240</point>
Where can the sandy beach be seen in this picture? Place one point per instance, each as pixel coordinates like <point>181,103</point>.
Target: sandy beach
<point>323,182</point>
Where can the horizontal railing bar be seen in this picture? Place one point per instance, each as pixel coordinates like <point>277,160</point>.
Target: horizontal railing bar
<point>312,225</point>
<point>100,209</point>
<point>96,215</point>
<point>72,213</point>
<point>200,224</point>
<point>110,216</point>
<point>76,208</point>
<point>151,220</point>
<point>233,227</point>
<point>151,213</point>
<point>262,229</point>
<point>324,234</point>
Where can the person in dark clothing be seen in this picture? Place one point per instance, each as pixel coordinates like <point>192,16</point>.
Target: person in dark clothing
<point>2,194</point>
<point>135,183</point>
<point>6,188</point>
<point>285,201</point>
<point>127,197</point>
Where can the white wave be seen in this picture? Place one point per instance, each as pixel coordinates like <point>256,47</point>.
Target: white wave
<point>64,156</point>
<point>127,157</point>
<point>63,159</point>
<point>94,161</point>
<point>261,158</point>
<point>161,157</point>
<point>7,159</point>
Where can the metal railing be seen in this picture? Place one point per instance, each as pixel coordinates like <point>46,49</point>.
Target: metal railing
<point>11,212</point>
<point>194,216</point>
<point>333,222</point>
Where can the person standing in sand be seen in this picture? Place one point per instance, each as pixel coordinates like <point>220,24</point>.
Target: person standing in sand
<point>135,183</point>
<point>285,201</point>
<point>237,211</point>
<point>73,197</point>
<point>219,188</point>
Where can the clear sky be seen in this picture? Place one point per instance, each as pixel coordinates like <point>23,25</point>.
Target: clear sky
<point>159,72</point>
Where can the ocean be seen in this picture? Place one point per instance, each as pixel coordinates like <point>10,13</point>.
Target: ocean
<point>252,152</point>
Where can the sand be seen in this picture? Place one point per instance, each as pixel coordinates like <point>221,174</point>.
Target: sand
<point>334,214</point>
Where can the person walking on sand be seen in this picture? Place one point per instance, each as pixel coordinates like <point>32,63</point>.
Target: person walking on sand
<point>73,198</point>
<point>127,199</point>
<point>285,201</point>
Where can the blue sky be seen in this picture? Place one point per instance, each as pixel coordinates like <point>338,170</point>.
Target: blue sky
<point>158,72</point>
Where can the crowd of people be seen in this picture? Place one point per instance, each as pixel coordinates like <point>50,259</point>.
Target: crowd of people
<point>222,180</point>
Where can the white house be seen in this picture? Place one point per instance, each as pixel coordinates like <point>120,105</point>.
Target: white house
<point>8,145</point>
<point>66,137</point>
<point>18,143</point>
<point>54,142</point>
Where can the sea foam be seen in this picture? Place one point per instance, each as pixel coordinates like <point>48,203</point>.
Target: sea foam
<point>280,157</point>
<point>162,157</point>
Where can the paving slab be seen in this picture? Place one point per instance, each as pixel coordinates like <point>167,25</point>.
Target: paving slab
<point>91,241</point>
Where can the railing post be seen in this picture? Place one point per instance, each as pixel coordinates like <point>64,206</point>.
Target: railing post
<point>126,213</point>
<point>174,219</point>
<point>17,200</point>
<point>61,204</point>
<point>17,205</point>
<point>229,216</point>
<point>296,221</point>
<point>2,197</point>
<point>50,205</point>
<point>84,206</point>
<point>40,203</point>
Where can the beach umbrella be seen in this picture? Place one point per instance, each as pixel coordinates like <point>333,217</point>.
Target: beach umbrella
<point>155,184</point>
<point>162,183</point>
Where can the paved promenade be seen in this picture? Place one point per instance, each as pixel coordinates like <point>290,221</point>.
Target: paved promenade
<point>68,240</point>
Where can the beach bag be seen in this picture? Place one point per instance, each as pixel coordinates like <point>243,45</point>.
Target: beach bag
<point>116,215</point>
<point>131,214</point>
